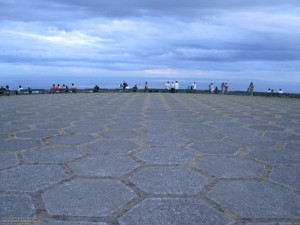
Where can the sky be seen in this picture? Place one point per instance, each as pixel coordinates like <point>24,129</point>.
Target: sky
<point>234,41</point>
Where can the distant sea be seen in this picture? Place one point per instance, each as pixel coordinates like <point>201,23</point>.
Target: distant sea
<point>157,82</point>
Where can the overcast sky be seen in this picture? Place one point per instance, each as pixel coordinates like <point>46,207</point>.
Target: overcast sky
<point>204,39</point>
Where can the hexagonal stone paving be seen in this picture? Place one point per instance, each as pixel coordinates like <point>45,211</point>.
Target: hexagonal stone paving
<point>112,146</point>
<point>287,176</point>
<point>169,181</point>
<point>230,167</point>
<point>266,127</point>
<point>173,211</point>
<point>273,155</point>
<point>69,223</point>
<point>87,198</point>
<point>16,207</point>
<point>54,154</point>
<point>254,199</point>
<point>18,145</point>
<point>165,156</point>
<point>30,178</point>
<point>8,160</point>
<point>37,134</point>
<point>274,223</point>
<point>283,136</point>
<point>206,136</point>
<point>160,140</point>
<point>103,165</point>
<point>213,147</point>
<point>119,134</point>
<point>75,139</point>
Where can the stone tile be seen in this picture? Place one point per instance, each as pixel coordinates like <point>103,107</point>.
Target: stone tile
<point>53,125</point>
<point>274,223</point>
<point>70,223</point>
<point>204,136</point>
<point>213,147</point>
<point>8,160</point>
<point>253,141</point>
<point>283,136</point>
<point>164,156</point>
<point>87,198</point>
<point>266,128</point>
<point>162,140</point>
<point>86,128</point>
<point>37,134</point>
<point>253,199</point>
<point>112,146</point>
<point>173,211</point>
<point>16,207</point>
<point>169,181</point>
<point>287,176</point>
<point>119,134</point>
<point>75,139</point>
<point>18,145</point>
<point>53,154</point>
<point>103,165</point>
<point>273,156</point>
<point>230,167</point>
<point>30,178</point>
<point>294,146</point>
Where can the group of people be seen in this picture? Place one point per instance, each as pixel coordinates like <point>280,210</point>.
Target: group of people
<point>63,89</point>
<point>172,87</point>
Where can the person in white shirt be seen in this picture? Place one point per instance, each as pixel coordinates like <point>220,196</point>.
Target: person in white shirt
<point>280,91</point>
<point>194,86</point>
<point>176,86</point>
<point>172,87</point>
<point>168,86</point>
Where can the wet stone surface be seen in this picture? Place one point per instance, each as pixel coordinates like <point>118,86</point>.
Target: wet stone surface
<point>150,158</point>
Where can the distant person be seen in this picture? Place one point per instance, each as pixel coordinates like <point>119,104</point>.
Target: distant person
<point>58,89</point>
<point>7,88</point>
<point>53,88</point>
<point>125,85</point>
<point>67,89</point>
<point>96,88</point>
<point>135,88</point>
<point>19,90</point>
<point>146,86</point>
<point>194,86</point>
<point>172,87</point>
<point>211,88</point>
<point>222,88</point>
<point>73,88</point>
<point>280,91</point>
<point>168,86</point>
<point>251,88</point>
<point>176,86</point>
<point>225,88</point>
<point>216,91</point>
<point>63,88</point>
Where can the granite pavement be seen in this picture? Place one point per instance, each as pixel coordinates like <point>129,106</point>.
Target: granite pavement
<point>149,159</point>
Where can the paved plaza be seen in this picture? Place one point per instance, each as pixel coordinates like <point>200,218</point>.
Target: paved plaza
<point>149,159</point>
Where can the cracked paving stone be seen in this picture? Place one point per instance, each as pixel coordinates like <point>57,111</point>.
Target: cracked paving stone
<point>230,167</point>
<point>273,156</point>
<point>254,199</point>
<point>87,198</point>
<point>287,176</point>
<point>103,165</point>
<point>18,145</point>
<point>112,146</point>
<point>8,160</point>
<point>16,207</point>
<point>75,139</point>
<point>213,147</point>
<point>164,156</point>
<point>169,181</point>
<point>173,211</point>
<point>53,154</point>
<point>30,178</point>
